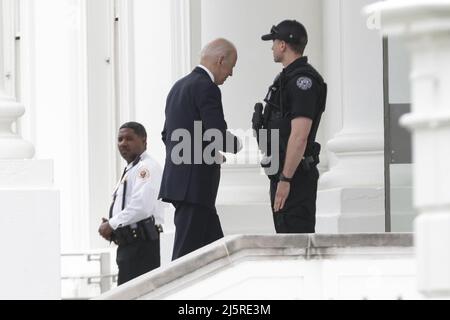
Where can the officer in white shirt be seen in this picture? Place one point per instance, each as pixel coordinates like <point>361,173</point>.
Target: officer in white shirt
<point>136,214</point>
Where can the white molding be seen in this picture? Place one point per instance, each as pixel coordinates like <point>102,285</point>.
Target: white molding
<point>124,67</point>
<point>102,113</point>
<point>124,62</point>
<point>27,124</point>
<point>181,38</point>
<point>8,29</point>
<point>81,219</point>
<point>196,30</point>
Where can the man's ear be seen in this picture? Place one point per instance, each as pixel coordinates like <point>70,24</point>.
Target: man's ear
<point>221,60</point>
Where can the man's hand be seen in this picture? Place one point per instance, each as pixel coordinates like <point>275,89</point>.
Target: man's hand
<point>220,158</point>
<point>105,230</point>
<point>283,190</point>
<point>257,119</point>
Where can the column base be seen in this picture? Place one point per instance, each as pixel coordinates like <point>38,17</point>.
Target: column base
<point>30,235</point>
<point>359,161</point>
<point>15,147</point>
<point>243,202</point>
<point>432,237</point>
<point>254,218</point>
<point>350,210</point>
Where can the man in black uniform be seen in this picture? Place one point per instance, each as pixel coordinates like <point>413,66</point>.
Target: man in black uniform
<point>294,106</point>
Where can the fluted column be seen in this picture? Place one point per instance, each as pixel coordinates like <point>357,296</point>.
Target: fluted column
<point>29,215</point>
<point>425,24</point>
<point>351,196</point>
<point>12,146</point>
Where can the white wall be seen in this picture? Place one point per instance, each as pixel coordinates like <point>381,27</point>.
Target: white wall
<point>59,111</point>
<point>328,279</point>
<point>30,239</point>
<point>244,22</point>
<point>153,68</point>
<point>153,80</point>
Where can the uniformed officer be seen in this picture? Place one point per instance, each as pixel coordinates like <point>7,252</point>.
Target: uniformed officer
<point>136,213</point>
<point>294,106</point>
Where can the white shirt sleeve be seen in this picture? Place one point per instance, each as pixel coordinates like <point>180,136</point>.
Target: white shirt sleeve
<point>141,198</point>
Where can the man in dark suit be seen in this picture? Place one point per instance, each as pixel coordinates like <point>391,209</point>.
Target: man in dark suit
<point>190,180</point>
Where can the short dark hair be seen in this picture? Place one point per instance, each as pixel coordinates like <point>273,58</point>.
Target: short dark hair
<point>299,47</point>
<point>138,128</point>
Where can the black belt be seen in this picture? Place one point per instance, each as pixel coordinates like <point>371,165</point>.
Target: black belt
<point>145,230</point>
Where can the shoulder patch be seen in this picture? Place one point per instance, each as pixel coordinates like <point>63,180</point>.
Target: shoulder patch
<point>144,174</point>
<point>304,83</point>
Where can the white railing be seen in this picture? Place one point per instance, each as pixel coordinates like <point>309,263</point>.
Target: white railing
<point>86,274</point>
<point>272,267</point>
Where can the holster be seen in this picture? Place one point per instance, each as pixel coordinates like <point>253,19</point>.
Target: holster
<point>311,158</point>
<point>309,162</point>
<point>144,230</point>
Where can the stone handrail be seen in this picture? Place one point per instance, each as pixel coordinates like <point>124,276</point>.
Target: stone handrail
<point>232,249</point>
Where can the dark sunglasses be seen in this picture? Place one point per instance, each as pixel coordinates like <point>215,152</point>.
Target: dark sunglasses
<point>274,30</point>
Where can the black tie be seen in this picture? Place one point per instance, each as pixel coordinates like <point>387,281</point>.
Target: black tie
<point>115,194</point>
<point>135,162</point>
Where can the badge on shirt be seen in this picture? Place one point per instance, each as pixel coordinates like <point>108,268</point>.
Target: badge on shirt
<point>304,83</point>
<point>144,174</point>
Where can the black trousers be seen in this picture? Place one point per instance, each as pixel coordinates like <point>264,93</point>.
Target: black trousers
<point>138,258</point>
<point>196,227</point>
<point>299,212</point>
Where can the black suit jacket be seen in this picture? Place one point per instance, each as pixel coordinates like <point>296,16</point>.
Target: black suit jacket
<point>193,98</point>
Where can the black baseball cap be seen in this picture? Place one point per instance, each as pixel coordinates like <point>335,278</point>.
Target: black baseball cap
<point>290,31</point>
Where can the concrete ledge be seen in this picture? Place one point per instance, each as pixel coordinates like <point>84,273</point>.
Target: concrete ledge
<point>362,240</point>
<point>235,249</point>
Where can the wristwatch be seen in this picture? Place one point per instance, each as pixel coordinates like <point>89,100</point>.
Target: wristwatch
<point>283,178</point>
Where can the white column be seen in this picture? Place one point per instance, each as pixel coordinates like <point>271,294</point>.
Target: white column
<point>351,196</point>
<point>243,202</point>
<point>29,217</point>
<point>162,24</point>
<point>426,26</point>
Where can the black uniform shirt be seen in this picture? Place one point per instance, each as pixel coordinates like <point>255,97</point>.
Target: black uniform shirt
<point>302,92</point>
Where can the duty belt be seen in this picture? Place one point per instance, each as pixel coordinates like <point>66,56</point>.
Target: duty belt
<point>145,230</point>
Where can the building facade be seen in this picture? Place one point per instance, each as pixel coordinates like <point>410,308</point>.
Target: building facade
<point>80,68</point>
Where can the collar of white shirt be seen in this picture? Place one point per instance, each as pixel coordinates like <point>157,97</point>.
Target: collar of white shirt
<point>207,71</point>
<point>142,157</point>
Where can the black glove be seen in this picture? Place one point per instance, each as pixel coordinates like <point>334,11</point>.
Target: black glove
<point>258,119</point>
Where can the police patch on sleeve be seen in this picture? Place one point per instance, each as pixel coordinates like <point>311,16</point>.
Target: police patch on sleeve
<point>144,174</point>
<point>304,83</point>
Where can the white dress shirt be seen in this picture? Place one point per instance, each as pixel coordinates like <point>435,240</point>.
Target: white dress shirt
<point>141,199</point>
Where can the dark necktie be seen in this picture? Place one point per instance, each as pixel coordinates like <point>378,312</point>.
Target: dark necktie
<point>115,194</point>
<point>135,162</point>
